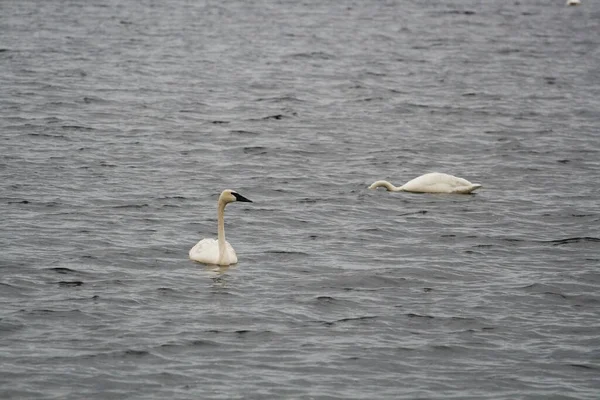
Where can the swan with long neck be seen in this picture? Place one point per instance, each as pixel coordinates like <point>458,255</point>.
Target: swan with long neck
<point>218,252</point>
<point>433,182</point>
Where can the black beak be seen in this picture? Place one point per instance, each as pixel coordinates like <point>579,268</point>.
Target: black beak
<point>239,197</point>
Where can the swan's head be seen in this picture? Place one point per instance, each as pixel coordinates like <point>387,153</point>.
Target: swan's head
<point>384,184</point>
<point>229,196</point>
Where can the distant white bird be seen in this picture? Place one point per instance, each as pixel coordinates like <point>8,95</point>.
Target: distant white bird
<point>573,2</point>
<point>434,182</point>
<point>218,252</point>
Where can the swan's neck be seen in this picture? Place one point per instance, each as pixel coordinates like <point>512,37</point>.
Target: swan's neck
<point>386,185</point>
<point>221,231</point>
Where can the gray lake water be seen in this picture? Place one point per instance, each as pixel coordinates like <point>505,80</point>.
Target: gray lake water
<point>122,121</point>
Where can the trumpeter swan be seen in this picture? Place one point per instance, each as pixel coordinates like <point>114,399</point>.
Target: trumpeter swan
<point>433,182</point>
<point>219,252</point>
<point>573,2</point>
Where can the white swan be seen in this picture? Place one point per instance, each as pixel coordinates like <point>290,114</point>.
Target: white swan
<point>434,182</point>
<point>218,252</point>
<point>573,2</point>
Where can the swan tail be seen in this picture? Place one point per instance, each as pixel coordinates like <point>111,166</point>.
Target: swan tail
<point>468,189</point>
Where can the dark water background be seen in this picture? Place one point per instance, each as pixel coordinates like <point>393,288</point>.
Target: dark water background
<point>121,121</point>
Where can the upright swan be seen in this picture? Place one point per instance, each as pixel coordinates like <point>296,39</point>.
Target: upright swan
<point>434,182</point>
<point>219,252</point>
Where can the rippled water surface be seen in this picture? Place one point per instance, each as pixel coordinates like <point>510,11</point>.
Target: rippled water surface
<point>121,122</point>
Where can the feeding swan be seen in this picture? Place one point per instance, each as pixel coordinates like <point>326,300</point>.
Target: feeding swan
<point>219,252</point>
<point>434,182</point>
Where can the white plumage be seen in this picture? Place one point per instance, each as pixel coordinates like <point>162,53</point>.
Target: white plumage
<point>207,251</point>
<point>433,182</point>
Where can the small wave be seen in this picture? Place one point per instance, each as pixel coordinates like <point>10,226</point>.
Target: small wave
<point>585,366</point>
<point>194,343</point>
<point>70,283</point>
<point>512,240</point>
<point>422,212</point>
<point>418,105</point>
<point>191,343</point>
<point>256,150</point>
<point>136,353</point>
<point>560,242</point>
<point>349,319</point>
<point>6,326</point>
<point>325,299</point>
<point>243,132</point>
<point>354,289</point>
<point>13,290</point>
<point>413,315</point>
<point>508,51</point>
<point>318,55</point>
<point>62,270</point>
<point>172,198</point>
<point>46,135</point>
<point>556,294</point>
<point>368,99</point>
<point>132,206</point>
<point>37,311</point>
<point>543,289</point>
<point>93,99</point>
<point>19,202</point>
<point>129,353</point>
<point>584,299</point>
<point>240,332</point>
<point>459,12</point>
<point>77,128</point>
<point>307,201</point>
<point>278,99</point>
<point>443,347</point>
<point>369,230</point>
<point>276,116</point>
<point>286,252</point>
<point>53,314</point>
<point>202,343</point>
<point>535,286</point>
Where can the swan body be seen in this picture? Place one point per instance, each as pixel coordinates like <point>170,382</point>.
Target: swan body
<point>433,182</point>
<point>218,252</point>
<point>573,2</point>
<point>207,251</point>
